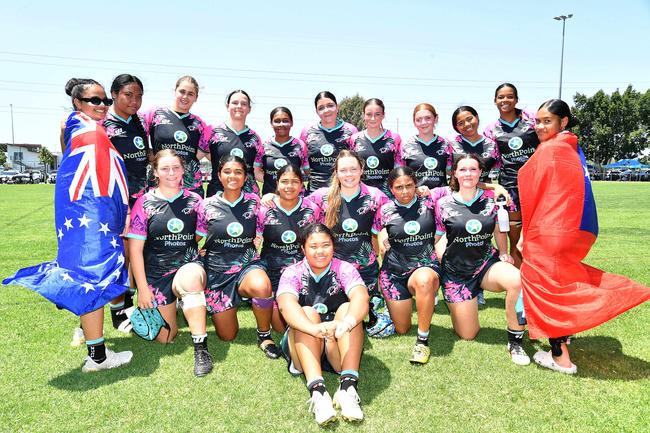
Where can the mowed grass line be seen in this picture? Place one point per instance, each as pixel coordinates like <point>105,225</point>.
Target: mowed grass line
<point>467,386</point>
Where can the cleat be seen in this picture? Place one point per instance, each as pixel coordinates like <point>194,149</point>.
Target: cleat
<point>202,362</point>
<point>545,359</point>
<point>420,355</point>
<point>383,327</point>
<point>348,402</point>
<point>270,349</point>
<point>113,360</point>
<point>518,354</point>
<point>321,406</point>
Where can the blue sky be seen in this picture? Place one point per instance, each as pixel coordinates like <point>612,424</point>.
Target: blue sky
<point>447,53</point>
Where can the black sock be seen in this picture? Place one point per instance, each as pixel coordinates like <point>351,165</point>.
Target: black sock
<point>118,314</point>
<point>348,380</point>
<point>128,299</point>
<point>97,351</point>
<point>263,335</point>
<point>200,342</point>
<point>516,337</point>
<point>317,384</point>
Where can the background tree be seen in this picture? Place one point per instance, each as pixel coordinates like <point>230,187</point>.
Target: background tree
<point>351,110</point>
<point>613,126</point>
<point>46,158</point>
<point>3,156</point>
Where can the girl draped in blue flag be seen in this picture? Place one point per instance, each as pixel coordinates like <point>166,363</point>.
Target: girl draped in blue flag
<point>90,207</point>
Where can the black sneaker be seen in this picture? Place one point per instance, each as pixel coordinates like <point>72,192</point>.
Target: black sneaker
<point>270,349</point>
<point>202,362</point>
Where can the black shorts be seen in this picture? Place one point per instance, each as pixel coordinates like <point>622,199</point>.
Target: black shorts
<point>394,286</point>
<point>460,288</point>
<point>221,292</point>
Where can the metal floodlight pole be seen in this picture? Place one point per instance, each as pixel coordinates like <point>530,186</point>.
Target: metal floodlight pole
<point>562,18</point>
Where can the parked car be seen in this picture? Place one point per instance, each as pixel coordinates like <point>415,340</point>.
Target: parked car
<point>51,178</point>
<point>36,176</point>
<point>20,178</point>
<point>613,174</point>
<point>644,174</point>
<point>6,175</point>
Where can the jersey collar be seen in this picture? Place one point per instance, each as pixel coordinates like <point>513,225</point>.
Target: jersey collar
<point>288,211</point>
<point>318,277</point>
<point>415,198</point>
<point>282,144</point>
<point>246,129</point>
<point>353,196</point>
<point>459,199</point>
<point>427,143</point>
<point>512,125</point>
<point>180,116</point>
<point>219,195</point>
<point>114,114</point>
<point>475,143</point>
<point>377,138</point>
<point>339,124</point>
<point>171,200</point>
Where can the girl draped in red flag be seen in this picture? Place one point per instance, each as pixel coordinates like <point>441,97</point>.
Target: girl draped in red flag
<point>562,295</point>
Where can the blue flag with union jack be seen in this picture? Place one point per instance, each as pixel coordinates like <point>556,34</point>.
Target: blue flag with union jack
<point>90,206</point>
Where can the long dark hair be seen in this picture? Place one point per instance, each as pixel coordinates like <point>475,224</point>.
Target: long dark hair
<point>123,80</point>
<point>75,88</point>
<point>560,109</point>
<point>459,110</point>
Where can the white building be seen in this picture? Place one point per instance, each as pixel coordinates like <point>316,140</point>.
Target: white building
<point>23,157</point>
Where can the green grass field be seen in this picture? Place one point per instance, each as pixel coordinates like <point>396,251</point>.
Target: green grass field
<point>467,386</point>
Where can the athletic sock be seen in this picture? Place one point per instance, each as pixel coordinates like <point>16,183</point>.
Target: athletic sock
<point>515,337</point>
<point>423,337</point>
<point>349,378</point>
<point>97,350</point>
<point>117,314</point>
<point>263,335</point>
<point>200,342</point>
<point>317,384</point>
<point>128,298</point>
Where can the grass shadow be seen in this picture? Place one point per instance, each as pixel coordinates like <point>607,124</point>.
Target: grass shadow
<point>602,358</point>
<point>146,360</point>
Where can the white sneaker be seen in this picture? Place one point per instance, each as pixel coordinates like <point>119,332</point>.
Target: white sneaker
<point>125,327</point>
<point>77,338</point>
<point>518,354</point>
<point>113,359</point>
<point>348,402</point>
<point>545,359</point>
<point>321,406</point>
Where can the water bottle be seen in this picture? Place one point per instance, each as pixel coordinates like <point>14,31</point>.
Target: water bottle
<point>502,216</point>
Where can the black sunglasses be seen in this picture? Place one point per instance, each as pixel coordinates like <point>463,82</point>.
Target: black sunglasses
<point>96,100</point>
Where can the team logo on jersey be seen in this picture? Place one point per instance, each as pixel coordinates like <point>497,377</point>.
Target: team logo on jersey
<point>473,226</point>
<point>372,162</point>
<point>320,308</point>
<point>138,142</point>
<point>175,225</point>
<point>289,237</point>
<point>412,228</point>
<point>279,163</point>
<point>430,163</point>
<point>515,143</point>
<point>350,225</point>
<point>235,229</point>
<point>327,150</point>
<point>237,152</point>
<point>180,136</point>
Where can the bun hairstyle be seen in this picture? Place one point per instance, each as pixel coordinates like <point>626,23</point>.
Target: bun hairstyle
<point>453,182</point>
<point>75,87</point>
<point>322,95</point>
<point>560,109</point>
<point>460,110</point>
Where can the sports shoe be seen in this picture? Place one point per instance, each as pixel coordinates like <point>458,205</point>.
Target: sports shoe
<point>518,354</point>
<point>480,298</point>
<point>113,359</point>
<point>383,327</point>
<point>321,406</point>
<point>348,402</point>
<point>202,362</point>
<point>420,354</point>
<point>270,349</point>
<point>77,338</point>
<point>545,359</point>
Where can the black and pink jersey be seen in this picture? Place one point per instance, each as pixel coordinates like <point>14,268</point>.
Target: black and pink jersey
<point>276,155</point>
<point>411,232</point>
<point>130,138</point>
<point>186,134</point>
<point>280,228</point>
<point>469,227</point>
<point>516,142</point>
<point>245,144</point>
<point>429,160</point>
<point>486,148</point>
<point>230,230</point>
<point>325,292</point>
<point>380,154</point>
<point>356,224</point>
<point>323,146</point>
<point>168,227</point>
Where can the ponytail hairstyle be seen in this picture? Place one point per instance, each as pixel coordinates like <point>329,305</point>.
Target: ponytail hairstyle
<point>501,86</point>
<point>324,94</point>
<point>428,107</point>
<point>459,110</point>
<point>75,88</point>
<point>118,83</point>
<point>399,172</point>
<point>314,228</point>
<point>284,110</point>
<point>334,199</point>
<point>243,92</point>
<point>231,158</point>
<point>561,109</point>
<point>191,80</point>
<point>289,168</point>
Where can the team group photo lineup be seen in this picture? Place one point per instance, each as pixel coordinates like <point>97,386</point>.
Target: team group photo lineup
<point>327,233</point>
